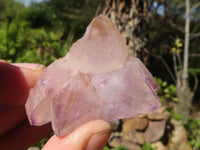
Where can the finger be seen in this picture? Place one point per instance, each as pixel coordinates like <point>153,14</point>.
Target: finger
<point>90,136</point>
<point>16,80</point>
<point>24,136</point>
<point>2,61</point>
<point>10,117</point>
<point>31,72</point>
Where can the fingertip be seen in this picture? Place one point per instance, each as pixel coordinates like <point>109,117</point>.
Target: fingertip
<point>2,61</point>
<point>55,143</point>
<point>92,135</point>
<point>31,72</point>
<point>32,66</point>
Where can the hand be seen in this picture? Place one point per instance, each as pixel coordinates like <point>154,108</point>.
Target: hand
<point>15,130</point>
<point>90,136</point>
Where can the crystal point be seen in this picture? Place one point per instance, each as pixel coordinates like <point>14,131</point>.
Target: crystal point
<point>101,42</point>
<point>95,80</point>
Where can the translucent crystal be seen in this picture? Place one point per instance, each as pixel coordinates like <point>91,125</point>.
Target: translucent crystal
<point>102,49</point>
<point>95,80</point>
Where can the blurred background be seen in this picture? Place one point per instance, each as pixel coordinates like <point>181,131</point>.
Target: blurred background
<point>164,34</point>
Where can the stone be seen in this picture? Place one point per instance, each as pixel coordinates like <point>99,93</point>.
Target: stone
<point>159,146</point>
<point>130,129</point>
<point>131,146</point>
<point>115,142</point>
<point>95,80</point>
<point>178,140</point>
<point>115,124</point>
<point>133,136</point>
<point>155,131</point>
<point>137,123</point>
<point>143,115</point>
<point>159,114</point>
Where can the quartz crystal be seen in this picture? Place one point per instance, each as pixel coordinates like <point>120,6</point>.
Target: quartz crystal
<point>97,79</point>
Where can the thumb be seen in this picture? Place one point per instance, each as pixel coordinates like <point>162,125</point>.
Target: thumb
<point>90,136</point>
<point>16,80</point>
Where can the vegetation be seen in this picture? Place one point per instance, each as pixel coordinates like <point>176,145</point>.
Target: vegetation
<point>117,148</point>
<point>40,32</point>
<point>193,127</point>
<point>164,34</point>
<point>147,146</point>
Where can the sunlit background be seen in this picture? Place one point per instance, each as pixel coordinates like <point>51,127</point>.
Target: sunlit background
<point>165,35</point>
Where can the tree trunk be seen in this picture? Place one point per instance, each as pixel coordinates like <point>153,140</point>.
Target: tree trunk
<point>184,94</point>
<point>186,45</point>
<point>128,15</point>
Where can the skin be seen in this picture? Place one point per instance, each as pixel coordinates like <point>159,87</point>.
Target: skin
<point>15,130</point>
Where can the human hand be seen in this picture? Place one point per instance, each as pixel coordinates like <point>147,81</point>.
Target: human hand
<point>90,136</point>
<point>15,130</point>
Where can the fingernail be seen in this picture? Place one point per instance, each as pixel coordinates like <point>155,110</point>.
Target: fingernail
<point>90,136</point>
<point>31,66</point>
<point>99,140</point>
<point>2,61</point>
<point>30,71</point>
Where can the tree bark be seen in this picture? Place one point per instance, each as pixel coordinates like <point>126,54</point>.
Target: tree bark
<point>186,45</point>
<point>184,93</point>
<point>129,17</point>
<point>185,97</point>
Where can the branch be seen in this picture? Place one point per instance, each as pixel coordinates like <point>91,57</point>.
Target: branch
<point>175,65</point>
<point>98,10</point>
<point>179,60</point>
<point>194,55</point>
<point>196,84</point>
<point>164,62</point>
<point>186,45</point>
<point>194,35</point>
<point>176,26</point>
<point>195,6</point>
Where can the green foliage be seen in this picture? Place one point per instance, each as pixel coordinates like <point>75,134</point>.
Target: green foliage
<point>193,71</point>
<point>177,47</point>
<point>177,117</point>
<point>193,128</point>
<point>42,32</point>
<point>117,148</point>
<point>20,43</point>
<point>147,146</point>
<point>12,39</point>
<point>166,91</point>
<point>40,15</point>
<point>43,141</point>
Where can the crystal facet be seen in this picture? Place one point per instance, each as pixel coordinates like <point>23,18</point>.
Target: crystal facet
<point>95,80</point>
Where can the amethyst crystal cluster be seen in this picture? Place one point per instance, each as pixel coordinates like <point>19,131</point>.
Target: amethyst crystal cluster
<point>95,80</point>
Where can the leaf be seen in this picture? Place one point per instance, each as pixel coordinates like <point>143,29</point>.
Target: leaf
<point>12,51</point>
<point>194,71</point>
<point>177,42</point>
<point>175,99</point>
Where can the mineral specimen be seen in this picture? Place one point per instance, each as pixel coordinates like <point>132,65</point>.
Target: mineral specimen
<point>95,80</point>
